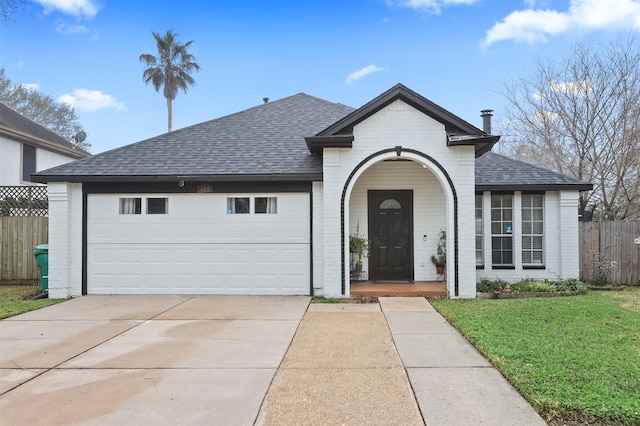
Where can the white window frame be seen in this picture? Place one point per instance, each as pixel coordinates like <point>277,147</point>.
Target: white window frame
<point>503,216</point>
<point>139,205</point>
<point>479,231</point>
<point>231,204</point>
<point>271,206</point>
<point>532,218</point>
<point>166,205</point>
<point>130,205</point>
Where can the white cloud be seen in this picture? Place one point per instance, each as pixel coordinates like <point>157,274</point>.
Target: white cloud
<point>536,25</point>
<point>541,118</point>
<point>67,29</point>
<point>77,8</point>
<point>357,75</point>
<point>91,100</point>
<point>579,88</point>
<point>433,6</point>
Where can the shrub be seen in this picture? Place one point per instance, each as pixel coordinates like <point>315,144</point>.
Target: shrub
<point>529,286</point>
<point>532,286</point>
<point>572,284</point>
<point>489,286</point>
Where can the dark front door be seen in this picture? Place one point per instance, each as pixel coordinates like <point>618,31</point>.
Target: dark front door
<point>391,235</point>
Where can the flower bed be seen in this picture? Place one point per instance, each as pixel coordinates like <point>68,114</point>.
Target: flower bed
<point>499,289</point>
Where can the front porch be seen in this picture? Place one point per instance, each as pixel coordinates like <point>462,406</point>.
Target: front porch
<point>416,289</point>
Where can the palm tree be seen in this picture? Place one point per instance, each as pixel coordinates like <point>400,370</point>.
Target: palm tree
<point>171,68</point>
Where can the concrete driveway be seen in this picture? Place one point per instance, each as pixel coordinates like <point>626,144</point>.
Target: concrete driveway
<point>234,360</point>
<point>145,359</point>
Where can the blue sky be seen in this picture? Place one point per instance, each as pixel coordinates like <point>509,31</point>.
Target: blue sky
<point>456,53</point>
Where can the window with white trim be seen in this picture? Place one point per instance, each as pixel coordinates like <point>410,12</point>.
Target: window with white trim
<point>157,205</point>
<point>130,205</point>
<point>265,205</point>
<point>502,230</point>
<point>238,205</point>
<point>533,229</point>
<point>479,225</point>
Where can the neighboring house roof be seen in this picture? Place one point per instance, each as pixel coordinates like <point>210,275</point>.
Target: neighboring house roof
<point>17,127</point>
<point>265,142</point>
<point>495,172</point>
<point>459,131</point>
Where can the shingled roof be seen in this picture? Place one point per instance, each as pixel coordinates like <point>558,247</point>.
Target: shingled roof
<point>16,126</point>
<point>267,142</point>
<point>260,143</point>
<point>495,172</point>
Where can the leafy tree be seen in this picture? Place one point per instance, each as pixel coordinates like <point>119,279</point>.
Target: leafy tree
<point>9,7</point>
<point>171,69</point>
<point>42,109</point>
<point>580,116</point>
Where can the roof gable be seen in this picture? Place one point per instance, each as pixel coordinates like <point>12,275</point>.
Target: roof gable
<point>459,131</point>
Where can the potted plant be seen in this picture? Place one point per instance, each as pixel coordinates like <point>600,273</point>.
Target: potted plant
<point>440,258</point>
<point>359,246</point>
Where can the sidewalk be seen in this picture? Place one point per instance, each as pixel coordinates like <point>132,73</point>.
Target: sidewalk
<point>396,362</point>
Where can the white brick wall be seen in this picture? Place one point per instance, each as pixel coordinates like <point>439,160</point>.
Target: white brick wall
<point>65,239</point>
<point>400,124</point>
<point>317,238</point>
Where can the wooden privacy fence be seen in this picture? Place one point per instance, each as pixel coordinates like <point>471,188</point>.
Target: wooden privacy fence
<point>614,241</point>
<point>18,236</point>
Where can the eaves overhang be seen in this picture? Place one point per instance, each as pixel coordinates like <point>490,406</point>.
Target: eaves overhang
<point>483,143</point>
<point>316,144</point>
<point>291,177</point>
<point>535,187</point>
<point>42,143</point>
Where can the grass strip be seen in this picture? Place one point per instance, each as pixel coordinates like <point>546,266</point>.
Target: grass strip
<point>572,358</point>
<point>15,299</point>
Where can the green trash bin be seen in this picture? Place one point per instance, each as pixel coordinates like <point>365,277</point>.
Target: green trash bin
<point>41,252</point>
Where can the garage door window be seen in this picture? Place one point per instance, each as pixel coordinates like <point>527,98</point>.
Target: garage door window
<point>157,205</point>
<point>130,205</point>
<point>268,205</point>
<point>238,205</point>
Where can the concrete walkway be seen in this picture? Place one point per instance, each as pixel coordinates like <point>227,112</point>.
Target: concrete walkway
<point>227,360</point>
<point>393,363</point>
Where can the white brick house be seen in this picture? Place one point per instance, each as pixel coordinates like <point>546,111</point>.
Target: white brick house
<point>242,205</point>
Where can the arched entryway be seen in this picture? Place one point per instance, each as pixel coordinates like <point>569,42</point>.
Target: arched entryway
<point>400,199</point>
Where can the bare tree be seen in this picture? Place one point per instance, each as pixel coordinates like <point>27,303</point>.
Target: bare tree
<point>580,115</point>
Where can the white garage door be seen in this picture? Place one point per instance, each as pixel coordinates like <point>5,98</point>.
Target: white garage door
<point>198,244</point>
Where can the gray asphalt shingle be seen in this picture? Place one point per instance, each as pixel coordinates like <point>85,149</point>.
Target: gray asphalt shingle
<point>267,142</point>
<point>495,172</point>
<point>264,140</point>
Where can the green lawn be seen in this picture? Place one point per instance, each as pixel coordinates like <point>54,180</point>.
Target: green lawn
<point>573,358</point>
<point>14,300</point>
